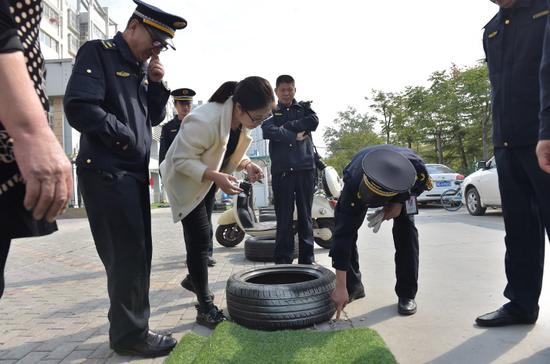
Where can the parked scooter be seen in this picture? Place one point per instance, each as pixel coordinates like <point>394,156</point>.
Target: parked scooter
<point>241,219</point>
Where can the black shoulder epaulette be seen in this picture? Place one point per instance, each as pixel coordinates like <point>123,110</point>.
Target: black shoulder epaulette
<point>108,44</point>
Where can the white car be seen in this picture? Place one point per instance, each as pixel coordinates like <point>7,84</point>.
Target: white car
<point>443,178</point>
<point>480,189</point>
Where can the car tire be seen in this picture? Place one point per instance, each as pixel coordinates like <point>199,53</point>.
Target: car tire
<point>284,296</point>
<point>263,249</point>
<point>473,202</point>
<point>267,217</point>
<point>229,235</point>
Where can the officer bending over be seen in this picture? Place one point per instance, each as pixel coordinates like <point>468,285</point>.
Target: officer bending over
<point>388,176</point>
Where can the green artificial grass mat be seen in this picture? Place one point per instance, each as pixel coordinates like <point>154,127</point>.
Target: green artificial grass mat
<point>188,348</point>
<point>231,343</point>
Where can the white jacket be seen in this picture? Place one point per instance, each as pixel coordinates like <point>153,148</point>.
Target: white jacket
<point>200,143</point>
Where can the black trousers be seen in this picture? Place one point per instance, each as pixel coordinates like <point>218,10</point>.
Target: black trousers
<point>4,250</point>
<point>405,240</point>
<point>119,213</point>
<point>289,187</point>
<point>198,234</point>
<point>525,194</point>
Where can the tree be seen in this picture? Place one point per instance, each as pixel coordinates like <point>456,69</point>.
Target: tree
<point>352,132</point>
<point>475,90</point>
<point>383,104</point>
<point>447,122</point>
<point>409,113</point>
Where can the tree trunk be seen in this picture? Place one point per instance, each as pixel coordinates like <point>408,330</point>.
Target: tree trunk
<point>439,147</point>
<point>462,152</point>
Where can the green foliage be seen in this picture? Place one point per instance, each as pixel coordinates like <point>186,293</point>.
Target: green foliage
<point>447,122</point>
<point>352,132</point>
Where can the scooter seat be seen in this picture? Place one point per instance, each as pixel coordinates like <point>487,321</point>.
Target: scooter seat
<point>262,227</point>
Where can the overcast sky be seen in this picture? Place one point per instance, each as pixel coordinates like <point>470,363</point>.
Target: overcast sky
<point>337,51</point>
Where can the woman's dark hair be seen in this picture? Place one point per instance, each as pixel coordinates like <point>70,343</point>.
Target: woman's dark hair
<point>252,93</point>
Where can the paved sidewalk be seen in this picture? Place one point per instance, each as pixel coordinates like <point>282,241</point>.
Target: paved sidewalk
<point>55,305</point>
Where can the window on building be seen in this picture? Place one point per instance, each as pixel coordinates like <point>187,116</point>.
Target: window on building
<point>83,32</point>
<point>74,44</point>
<point>72,20</point>
<point>49,42</point>
<point>52,17</point>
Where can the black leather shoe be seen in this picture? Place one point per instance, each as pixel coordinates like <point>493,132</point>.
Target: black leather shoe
<point>357,293</point>
<point>210,319</point>
<point>188,285</point>
<point>211,262</point>
<point>153,346</point>
<point>502,317</point>
<point>406,306</point>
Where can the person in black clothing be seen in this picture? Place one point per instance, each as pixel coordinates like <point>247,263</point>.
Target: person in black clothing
<point>113,98</point>
<point>183,101</point>
<point>543,146</point>
<point>293,171</point>
<point>513,42</point>
<point>35,173</point>
<point>385,176</point>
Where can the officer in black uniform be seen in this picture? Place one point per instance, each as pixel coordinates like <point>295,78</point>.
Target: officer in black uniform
<point>543,146</point>
<point>388,176</point>
<point>113,98</point>
<point>293,170</point>
<point>513,46</point>
<point>183,101</point>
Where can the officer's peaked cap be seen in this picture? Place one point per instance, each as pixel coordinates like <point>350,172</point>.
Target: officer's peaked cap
<point>183,94</point>
<point>386,174</point>
<point>163,24</point>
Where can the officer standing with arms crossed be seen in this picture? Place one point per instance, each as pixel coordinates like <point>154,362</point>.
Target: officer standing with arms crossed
<point>513,46</point>
<point>379,176</point>
<point>113,98</point>
<point>293,170</point>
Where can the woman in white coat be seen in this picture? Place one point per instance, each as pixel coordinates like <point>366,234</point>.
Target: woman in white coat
<point>210,145</point>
